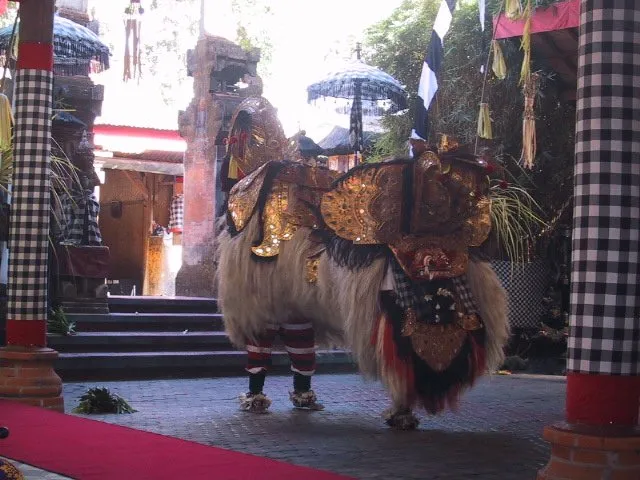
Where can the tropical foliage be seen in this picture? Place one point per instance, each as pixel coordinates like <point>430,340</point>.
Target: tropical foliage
<point>397,45</point>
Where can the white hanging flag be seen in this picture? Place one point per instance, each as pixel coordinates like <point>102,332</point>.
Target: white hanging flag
<point>481,7</point>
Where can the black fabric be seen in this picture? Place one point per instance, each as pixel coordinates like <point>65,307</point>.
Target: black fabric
<point>256,382</point>
<point>301,383</point>
<point>345,253</point>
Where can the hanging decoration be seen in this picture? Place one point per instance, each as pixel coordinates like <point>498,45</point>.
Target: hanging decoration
<point>499,66</point>
<point>529,121</point>
<point>513,9</point>
<point>525,72</point>
<point>529,82</point>
<point>133,23</point>
<point>484,122</point>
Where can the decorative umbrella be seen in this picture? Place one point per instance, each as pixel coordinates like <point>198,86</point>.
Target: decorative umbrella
<point>76,49</point>
<point>358,81</point>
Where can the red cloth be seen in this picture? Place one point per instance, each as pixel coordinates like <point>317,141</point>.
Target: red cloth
<point>3,6</point>
<point>92,450</point>
<point>555,17</point>
<point>83,261</point>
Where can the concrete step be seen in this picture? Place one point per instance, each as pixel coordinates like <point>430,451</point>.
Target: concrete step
<point>123,304</point>
<point>146,321</point>
<point>179,364</point>
<point>132,341</point>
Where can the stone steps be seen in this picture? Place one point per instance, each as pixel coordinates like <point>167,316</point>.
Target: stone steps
<point>144,341</point>
<point>140,304</point>
<point>178,364</point>
<point>156,337</point>
<point>147,321</point>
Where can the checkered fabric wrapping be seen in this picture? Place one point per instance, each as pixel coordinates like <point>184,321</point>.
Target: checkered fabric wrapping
<point>525,285</point>
<point>422,296</point>
<point>605,323</point>
<point>30,209</point>
<point>75,211</point>
<point>176,215</point>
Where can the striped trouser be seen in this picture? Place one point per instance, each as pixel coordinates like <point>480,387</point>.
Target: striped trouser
<point>299,342</point>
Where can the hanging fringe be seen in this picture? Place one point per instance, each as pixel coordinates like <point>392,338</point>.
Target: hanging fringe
<point>513,9</point>
<point>484,122</point>
<point>529,122</point>
<point>499,66</point>
<point>396,372</point>
<point>525,72</point>
<point>126,74</point>
<point>6,123</point>
<point>133,26</point>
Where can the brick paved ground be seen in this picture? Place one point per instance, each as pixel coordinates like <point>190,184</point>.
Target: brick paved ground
<point>495,435</point>
<point>32,473</point>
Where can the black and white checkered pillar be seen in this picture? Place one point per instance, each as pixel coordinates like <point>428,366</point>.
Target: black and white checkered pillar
<point>30,207</point>
<point>603,385</point>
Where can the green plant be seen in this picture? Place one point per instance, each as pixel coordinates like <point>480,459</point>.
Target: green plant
<point>101,400</point>
<point>515,219</point>
<point>59,323</point>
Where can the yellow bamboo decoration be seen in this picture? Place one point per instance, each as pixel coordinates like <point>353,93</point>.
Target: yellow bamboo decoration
<point>513,9</point>
<point>484,122</point>
<point>499,66</point>
<point>529,122</point>
<point>6,122</point>
<point>526,45</point>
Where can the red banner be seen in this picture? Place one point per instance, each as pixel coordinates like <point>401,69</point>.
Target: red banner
<point>3,6</point>
<point>554,17</point>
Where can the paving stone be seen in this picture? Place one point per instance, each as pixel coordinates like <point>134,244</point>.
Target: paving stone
<point>495,434</point>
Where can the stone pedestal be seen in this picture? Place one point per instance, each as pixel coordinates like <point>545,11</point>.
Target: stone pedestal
<point>82,273</point>
<point>216,65</point>
<point>592,453</point>
<point>27,376</point>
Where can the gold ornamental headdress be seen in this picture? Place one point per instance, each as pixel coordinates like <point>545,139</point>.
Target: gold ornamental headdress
<point>256,136</point>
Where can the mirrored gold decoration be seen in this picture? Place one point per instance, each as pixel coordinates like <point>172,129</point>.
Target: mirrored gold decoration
<point>276,227</point>
<point>437,345</point>
<point>244,197</point>
<point>365,207</point>
<point>256,135</point>
<point>429,211</point>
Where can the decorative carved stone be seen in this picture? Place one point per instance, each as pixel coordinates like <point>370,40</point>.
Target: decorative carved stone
<point>216,65</point>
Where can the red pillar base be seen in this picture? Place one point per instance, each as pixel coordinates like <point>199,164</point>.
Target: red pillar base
<point>592,453</point>
<point>27,376</point>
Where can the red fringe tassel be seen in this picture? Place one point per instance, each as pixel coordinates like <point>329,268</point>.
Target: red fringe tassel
<point>400,367</point>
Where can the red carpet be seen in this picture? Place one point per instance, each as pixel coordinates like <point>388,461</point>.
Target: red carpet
<point>88,449</point>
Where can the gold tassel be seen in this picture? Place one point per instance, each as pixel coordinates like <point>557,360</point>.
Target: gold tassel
<point>513,9</point>
<point>529,122</point>
<point>6,123</point>
<point>484,122</point>
<point>525,72</point>
<point>499,66</point>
